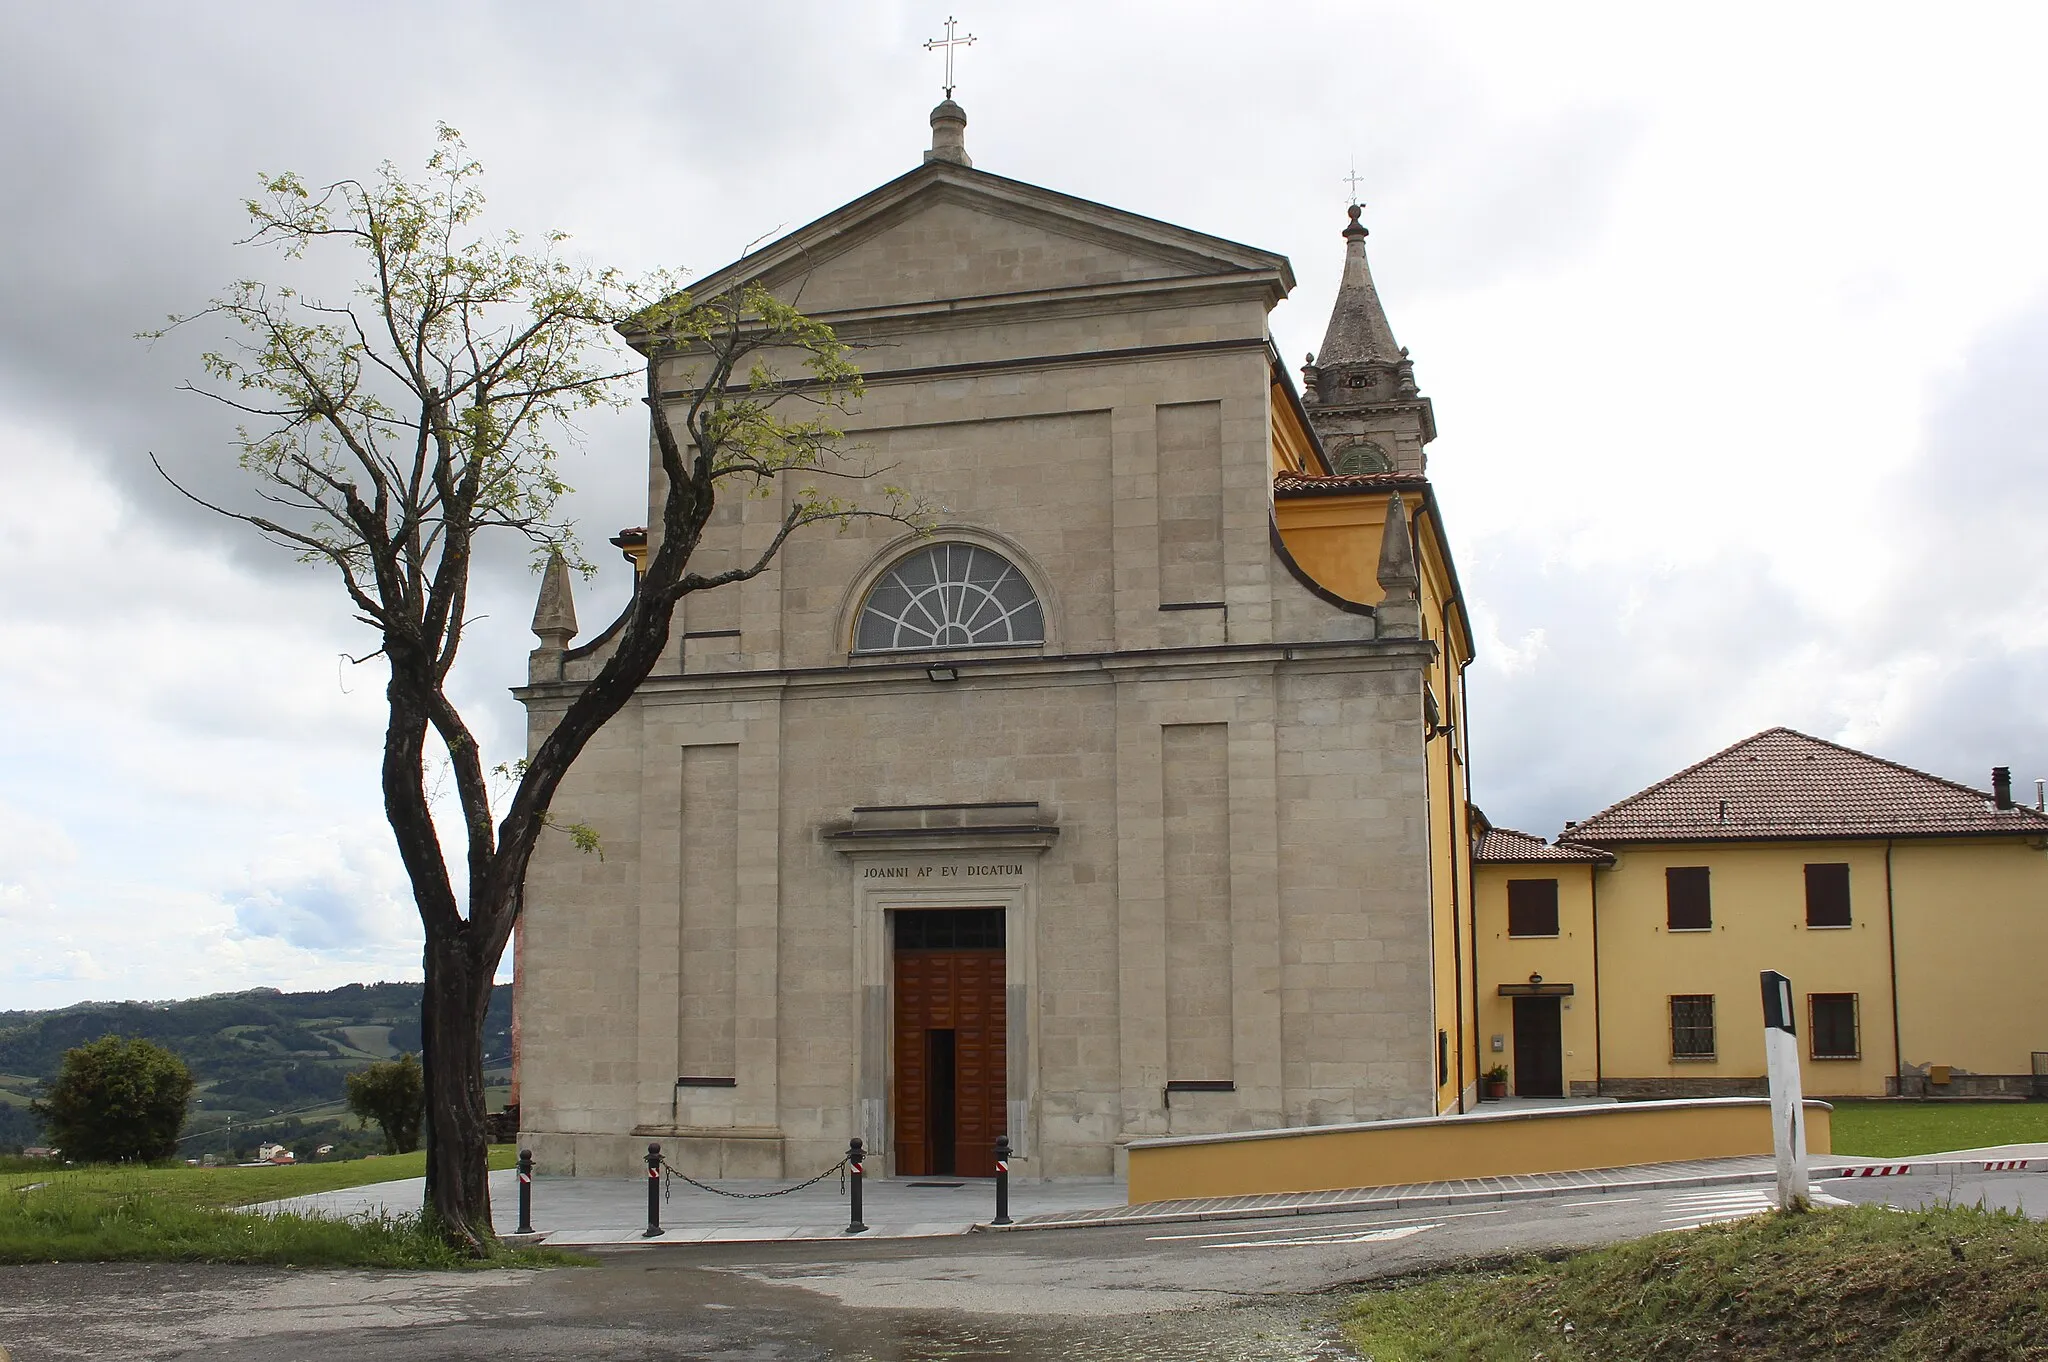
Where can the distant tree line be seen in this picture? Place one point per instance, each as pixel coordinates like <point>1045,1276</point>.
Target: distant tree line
<point>255,1057</point>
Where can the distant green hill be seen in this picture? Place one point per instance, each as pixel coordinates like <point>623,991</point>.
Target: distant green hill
<point>268,1065</point>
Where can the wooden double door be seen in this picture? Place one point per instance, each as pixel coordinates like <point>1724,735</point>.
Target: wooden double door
<point>951,1073</point>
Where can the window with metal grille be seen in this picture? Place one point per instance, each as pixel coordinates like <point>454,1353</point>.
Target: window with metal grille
<point>1443,1058</point>
<point>1692,1026</point>
<point>949,929</point>
<point>1831,1022</point>
<point>950,596</point>
<point>1827,896</point>
<point>1532,907</point>
<point>1688,906</point>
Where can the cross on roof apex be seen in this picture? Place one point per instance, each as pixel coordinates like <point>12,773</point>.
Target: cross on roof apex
<point>946,45</point>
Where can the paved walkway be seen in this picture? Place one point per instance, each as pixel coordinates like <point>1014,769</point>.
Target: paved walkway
<point>587,1211</point>
<point>591,1211</point>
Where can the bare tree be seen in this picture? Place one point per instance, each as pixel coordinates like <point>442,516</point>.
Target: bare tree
<point>386,434</point>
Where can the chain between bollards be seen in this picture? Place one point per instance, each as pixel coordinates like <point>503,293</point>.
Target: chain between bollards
<point>525,1192</point>
<point>854,1155</point>
<point>1002,1181</point>
<point>653,1230</point>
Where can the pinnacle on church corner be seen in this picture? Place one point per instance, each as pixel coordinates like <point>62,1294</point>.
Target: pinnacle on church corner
<point>1358,332</point>
<point>1399,611</point>
<point>554,614</point>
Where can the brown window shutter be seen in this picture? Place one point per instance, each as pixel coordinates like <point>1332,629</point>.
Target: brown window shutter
<point>1827,896</point>
<point>1688,904</point>
<point>1532,907</point>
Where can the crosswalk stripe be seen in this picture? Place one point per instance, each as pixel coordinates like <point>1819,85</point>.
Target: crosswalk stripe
<point>1320,1241</point>
<point>1299,1230</point>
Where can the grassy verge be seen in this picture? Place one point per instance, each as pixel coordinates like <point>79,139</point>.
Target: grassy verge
<point>1896,1130</point>
<point>186,1215</point>
<point>229,1187</point>
<point>1863,1283</point>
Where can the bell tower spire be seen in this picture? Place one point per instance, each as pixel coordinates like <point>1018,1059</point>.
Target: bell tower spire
<point>1360,389</point>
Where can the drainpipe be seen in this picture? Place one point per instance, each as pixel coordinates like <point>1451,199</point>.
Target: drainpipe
<point>1891,931</point>
<point>1456,849</point>
<point>1599,1064</point>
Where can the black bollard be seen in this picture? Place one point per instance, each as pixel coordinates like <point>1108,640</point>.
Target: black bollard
<point>525,1192</point>
<point>653,1230</point>
<point>1002,1181</point>
<point>853,1159</point>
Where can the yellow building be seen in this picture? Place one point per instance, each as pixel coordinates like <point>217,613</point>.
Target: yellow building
<point>1910,912</point>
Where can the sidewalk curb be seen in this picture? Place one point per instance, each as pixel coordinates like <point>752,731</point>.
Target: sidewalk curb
<point>1877,1168</point>
<point>1389,1203</point>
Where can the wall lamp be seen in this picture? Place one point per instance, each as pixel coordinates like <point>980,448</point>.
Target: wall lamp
<point>938,671</point>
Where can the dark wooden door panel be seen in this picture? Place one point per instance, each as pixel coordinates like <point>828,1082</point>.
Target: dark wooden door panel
<point>959,991</point>
<point>1539,1048</point>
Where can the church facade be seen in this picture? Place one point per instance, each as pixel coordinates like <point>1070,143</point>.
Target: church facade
<point>1127,800</point>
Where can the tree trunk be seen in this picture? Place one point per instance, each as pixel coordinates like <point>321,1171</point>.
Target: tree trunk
<point>451,1053</point>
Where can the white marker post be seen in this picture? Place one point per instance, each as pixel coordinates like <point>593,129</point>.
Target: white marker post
<point>1788,1106</point>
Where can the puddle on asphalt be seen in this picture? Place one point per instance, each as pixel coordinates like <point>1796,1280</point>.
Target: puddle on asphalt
<point>1252,1334</point>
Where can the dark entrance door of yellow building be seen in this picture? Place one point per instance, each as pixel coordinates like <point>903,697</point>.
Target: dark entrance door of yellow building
<point>951,1074</point>
<point>1539,1048</point>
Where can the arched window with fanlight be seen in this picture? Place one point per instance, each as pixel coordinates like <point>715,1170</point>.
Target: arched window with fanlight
<point>1363,456</point>
<point>950,596</point>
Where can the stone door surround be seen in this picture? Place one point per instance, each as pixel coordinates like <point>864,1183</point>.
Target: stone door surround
<point>904,858</point>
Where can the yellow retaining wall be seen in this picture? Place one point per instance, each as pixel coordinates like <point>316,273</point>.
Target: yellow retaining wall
<point>1447,1148</point>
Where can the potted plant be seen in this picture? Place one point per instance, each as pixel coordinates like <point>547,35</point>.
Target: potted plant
<point>1496,1082</point>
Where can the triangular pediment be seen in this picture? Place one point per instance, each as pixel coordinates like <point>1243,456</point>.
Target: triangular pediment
<point>946,232</point>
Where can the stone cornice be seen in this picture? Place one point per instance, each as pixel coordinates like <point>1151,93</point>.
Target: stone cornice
<point>1077,359</point>
<point>1065,669</point>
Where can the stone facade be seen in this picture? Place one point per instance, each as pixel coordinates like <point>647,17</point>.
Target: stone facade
<point>1201,802</point>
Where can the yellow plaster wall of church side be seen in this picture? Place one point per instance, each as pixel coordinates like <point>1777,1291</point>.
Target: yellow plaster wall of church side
<point>1451,878</point>
<point>1292,449</point>
<point>1566,958</point>
<point>1336,541</point>
<point>1972,935</point>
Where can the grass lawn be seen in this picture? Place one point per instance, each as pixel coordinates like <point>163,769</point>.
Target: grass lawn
<point>1848,1285</point>
<point>187,1215</point>
<point>1890,1130</point>
<point>222,1188</point>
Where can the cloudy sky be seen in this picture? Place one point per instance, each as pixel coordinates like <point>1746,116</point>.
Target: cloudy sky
<point>1736,328</point>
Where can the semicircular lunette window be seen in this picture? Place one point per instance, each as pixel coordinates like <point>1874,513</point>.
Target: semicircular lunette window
<point>950,596</point>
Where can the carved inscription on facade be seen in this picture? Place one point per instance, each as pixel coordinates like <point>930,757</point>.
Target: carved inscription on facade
<point>943,870</point>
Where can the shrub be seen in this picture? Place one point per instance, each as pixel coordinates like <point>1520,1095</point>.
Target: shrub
<point>116,1101</point>
<point>392,1095</point>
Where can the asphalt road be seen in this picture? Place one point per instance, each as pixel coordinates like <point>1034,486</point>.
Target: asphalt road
<point>1245,1289</point>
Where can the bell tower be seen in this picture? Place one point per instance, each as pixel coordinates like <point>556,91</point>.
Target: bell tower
<point>1360,388</point>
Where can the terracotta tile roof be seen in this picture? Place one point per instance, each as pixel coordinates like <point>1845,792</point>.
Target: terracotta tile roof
<point>1505,846</point>
<point>1782,784</point>
<point>1345,484</point>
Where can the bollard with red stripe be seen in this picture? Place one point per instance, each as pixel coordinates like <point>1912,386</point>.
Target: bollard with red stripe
<point>525,1192</point>
<point>854,1156</point>
<point>653,1230</point>
<point>1002,1181</point>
